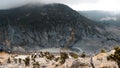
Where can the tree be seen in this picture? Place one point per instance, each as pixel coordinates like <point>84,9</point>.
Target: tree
<point>36,65</point>
<point>115,56</point>
<point>20,60</point>
<point>103,50</point>
<point>63,57</point>
<point>83,55</point>
<point>9,60</point>
<point>27,61</point>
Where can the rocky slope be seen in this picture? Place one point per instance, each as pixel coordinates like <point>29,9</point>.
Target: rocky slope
<point>32,27</point>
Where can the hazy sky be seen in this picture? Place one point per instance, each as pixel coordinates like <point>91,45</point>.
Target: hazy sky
<point>106,5</point>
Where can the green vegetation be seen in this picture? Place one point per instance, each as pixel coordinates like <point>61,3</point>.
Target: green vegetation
<point>20,60</point>
<point>41,54</point>
<point>63,57</point>
<point>56,59</point>
<point>74,55</point>
<point>103,50</point>
<point>115,56</point>
<point>49,56</point>
<point>33,56</point>
<point>33,59</point>
<point>9,60</point>
<point>27,61</point>
<point>36,65</point>
<point>83,55</point>
<point>47,53</point>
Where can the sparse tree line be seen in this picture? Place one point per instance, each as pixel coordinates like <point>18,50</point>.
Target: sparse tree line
<point>32,60</point>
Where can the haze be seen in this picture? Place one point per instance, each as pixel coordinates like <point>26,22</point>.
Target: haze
<point>83,5</point>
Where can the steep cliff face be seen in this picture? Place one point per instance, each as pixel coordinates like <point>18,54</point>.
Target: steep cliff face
<point>32,27</point>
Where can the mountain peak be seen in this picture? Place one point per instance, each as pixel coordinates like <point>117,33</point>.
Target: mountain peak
<point>32,27</point>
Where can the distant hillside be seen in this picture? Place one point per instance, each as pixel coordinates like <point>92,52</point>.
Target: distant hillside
<point>102,16</point>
